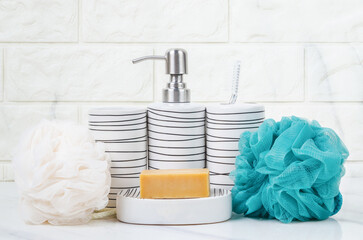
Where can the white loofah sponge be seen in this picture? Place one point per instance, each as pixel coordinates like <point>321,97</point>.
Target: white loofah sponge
<point>61,173</point>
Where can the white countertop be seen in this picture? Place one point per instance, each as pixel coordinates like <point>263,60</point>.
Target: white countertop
<point>347,224</point>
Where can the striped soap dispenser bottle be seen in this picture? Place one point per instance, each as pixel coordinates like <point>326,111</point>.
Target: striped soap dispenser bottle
<point>176,127</point>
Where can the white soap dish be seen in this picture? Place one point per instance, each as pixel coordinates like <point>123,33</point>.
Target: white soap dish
<point>215,208</point>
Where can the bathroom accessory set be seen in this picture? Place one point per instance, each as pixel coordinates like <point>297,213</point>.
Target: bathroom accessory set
<point>176,130</point>
<point>177,134</point>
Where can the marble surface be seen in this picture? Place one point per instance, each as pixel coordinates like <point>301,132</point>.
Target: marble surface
<point>347,224</point>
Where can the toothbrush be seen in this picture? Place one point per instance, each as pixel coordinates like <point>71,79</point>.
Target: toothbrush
<point>235,81</point>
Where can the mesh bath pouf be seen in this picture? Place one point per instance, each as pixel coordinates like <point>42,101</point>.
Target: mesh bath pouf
<point>289,170</point>
<point>61,173</point>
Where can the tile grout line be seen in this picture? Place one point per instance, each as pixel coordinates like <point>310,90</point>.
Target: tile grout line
<point>229,21</point>
<point>189,43</point>
<point>305,80</point>
<point>154,77</point>
<point>2,172</point>
<point>79,21</point>
<point>3,75</point>
<point>79,105</point>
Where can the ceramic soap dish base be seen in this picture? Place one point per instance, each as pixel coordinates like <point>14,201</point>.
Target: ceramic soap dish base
<point>215,208</point>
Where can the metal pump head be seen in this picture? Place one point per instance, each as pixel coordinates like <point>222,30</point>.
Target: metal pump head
<point>176,66</point>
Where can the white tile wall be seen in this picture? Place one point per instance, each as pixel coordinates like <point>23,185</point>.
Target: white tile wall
<point>335,72</point>
<point>1,75</point>
<point>78,74</point>
<point>296,21</point>
<point>268,73</point>
<point>38,20</point>
<point>155,21</point>
<point>15,119</point>
<point>59,58</point>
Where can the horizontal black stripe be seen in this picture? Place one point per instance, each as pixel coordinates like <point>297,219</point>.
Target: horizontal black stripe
<point>124,187</point>
<point>128,177</point>
<point>218,149</point>
<point>227,138</point>
<point>224,163</point>
<point>257,120</point>
<point>232,128</point>
<point>237,140</point>
<point>177,134</point>
<point>130,141</point>
<point>129,167</point>
<point>160,110</point>
<point>235,113</point>
<point>124,140</point>
<point>158,160</point>
<point>162,115</point>
<point>154,168</point>
<point>163,120</point>
<point>177,155</point>
<point>115,121</point>
<point>176,147</point>
<point>225,120</point>
<point>125,174</point>
<point>218,174</point>
<point>122,125</point>
<point>173,140</point>
<point>152,124</point>
<point>222,184</point>
<point>215,173</point>
<point>117,115</point>
<point>116,130</point>
<point>221,156</point>
<point>129,160</point>
<point>144,151</point>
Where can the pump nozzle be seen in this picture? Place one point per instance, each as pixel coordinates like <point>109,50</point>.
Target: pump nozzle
<point>152,57</point>
<point>176,66</point>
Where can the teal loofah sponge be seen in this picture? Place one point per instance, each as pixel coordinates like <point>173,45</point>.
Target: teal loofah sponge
<point>289,170</point>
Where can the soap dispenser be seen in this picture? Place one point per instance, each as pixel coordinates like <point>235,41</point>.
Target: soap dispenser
<point>176,127</point>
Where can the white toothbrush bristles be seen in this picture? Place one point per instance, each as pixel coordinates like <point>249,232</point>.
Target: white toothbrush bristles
<point>235,81</point>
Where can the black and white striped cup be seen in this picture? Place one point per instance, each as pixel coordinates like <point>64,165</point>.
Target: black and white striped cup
<point>225,124</point>
<point>124,132</point>
<point>176,135</point>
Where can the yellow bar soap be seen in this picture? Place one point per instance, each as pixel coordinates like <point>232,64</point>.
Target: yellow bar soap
<point>174,183</point>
